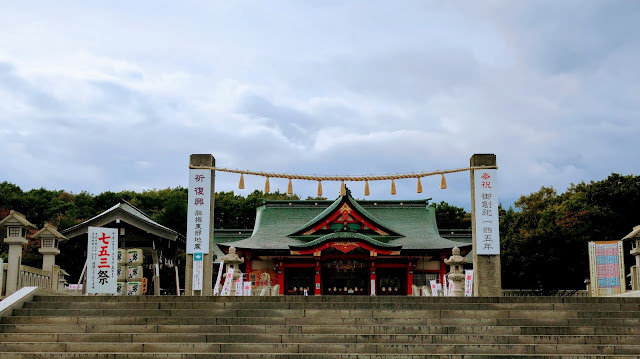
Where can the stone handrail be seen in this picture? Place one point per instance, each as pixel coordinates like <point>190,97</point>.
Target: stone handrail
<point>33,277</point>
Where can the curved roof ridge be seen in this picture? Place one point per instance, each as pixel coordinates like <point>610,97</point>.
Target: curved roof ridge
<point>345,235</point>
<point>355,205</point>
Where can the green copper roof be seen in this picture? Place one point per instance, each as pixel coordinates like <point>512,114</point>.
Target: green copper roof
<point>277,220</point>
<point>335,205</point>
<point>345,235</point>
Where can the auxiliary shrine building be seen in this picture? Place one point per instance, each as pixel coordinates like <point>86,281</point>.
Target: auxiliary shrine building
<point>343,247</point>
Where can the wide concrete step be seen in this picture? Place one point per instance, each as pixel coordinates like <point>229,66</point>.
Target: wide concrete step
<point>331,313</point>
<point>159,320</point>
<point>318,329</point>
<point>346,299</point>
<point>269,338</point>
<point>332,305</point>
<point>79,355</point>
<point>338,348</point>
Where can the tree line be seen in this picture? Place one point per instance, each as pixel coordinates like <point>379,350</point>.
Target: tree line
<point>543,236</point>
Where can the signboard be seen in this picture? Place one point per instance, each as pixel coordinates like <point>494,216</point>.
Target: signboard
<point>199,211</point>
<point>102,260</point>
<point>197,271</point>
<point>486,212</point>
<point>606,264</point>
<point>468,282</point>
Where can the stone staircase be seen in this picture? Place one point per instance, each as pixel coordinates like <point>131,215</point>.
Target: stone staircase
<point>321,327</point>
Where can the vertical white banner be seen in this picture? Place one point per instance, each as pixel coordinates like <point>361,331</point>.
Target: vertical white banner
<point>373,287</point>
<point>434,288</point>
<point>198,269</point>
<point>228,278</point>
<point>486,212</point>
<point>468,282</point>
<point>247,289</point>
<point>199,211</point>
<point>239,287</point>
<point>216,289</point>
<point>102,260</point>
<point>445,288</point>
<point>450,288</point>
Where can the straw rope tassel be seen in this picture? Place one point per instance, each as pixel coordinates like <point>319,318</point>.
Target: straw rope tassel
<point>366,188</point>
<point>393,187</point>
<point>343,189</point>
<point>266,186</point>
<point>419,189</point>
<point>241,185</point>
<point>319,188</point>
<point>443,182</point>
<point>290,188</point>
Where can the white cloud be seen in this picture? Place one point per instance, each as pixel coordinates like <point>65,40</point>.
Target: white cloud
<point>108,96</point>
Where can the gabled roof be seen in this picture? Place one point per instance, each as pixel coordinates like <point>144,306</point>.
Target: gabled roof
<point>276,220</point>
<point>335,206</point>
<point>49,231</point>
<point>16,218</point>
<point>128,213</point>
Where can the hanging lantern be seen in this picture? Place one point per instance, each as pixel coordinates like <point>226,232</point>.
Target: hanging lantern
<point>290,188</point>
<point>319,189</point>
<point>419,188</point>
<point>366,188</point>
<point>266,186</point>
<point>241,184</point>
<point>393,187</point>
<point>443,182</point>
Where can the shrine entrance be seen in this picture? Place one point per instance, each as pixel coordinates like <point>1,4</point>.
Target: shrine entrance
<point>296,280</point>
<point>391,281</point>
<point>345,278</point>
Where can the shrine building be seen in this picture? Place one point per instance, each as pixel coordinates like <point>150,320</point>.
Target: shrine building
<point>343,247</point>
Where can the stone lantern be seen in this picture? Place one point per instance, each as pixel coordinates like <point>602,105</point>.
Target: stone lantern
<point>456,263</point>
<point>49,239</point>
<point>16,226</point>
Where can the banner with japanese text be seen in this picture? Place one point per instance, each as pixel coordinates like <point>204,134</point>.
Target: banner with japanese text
<point>606,264</point>
<point>486,212</point>
<point>199,211</point>
<point>102,260</point>
<point>198,269</point>
<point>468,282</point>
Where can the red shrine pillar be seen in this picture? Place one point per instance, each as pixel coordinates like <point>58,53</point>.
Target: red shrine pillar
<point>317,279</point>
<point>247,262</point>
<point>410,278</point>
<point>443,267</point>
<point>280,275</point>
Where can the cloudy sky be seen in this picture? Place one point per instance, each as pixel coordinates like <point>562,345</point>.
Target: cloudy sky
<point>114,95</point>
